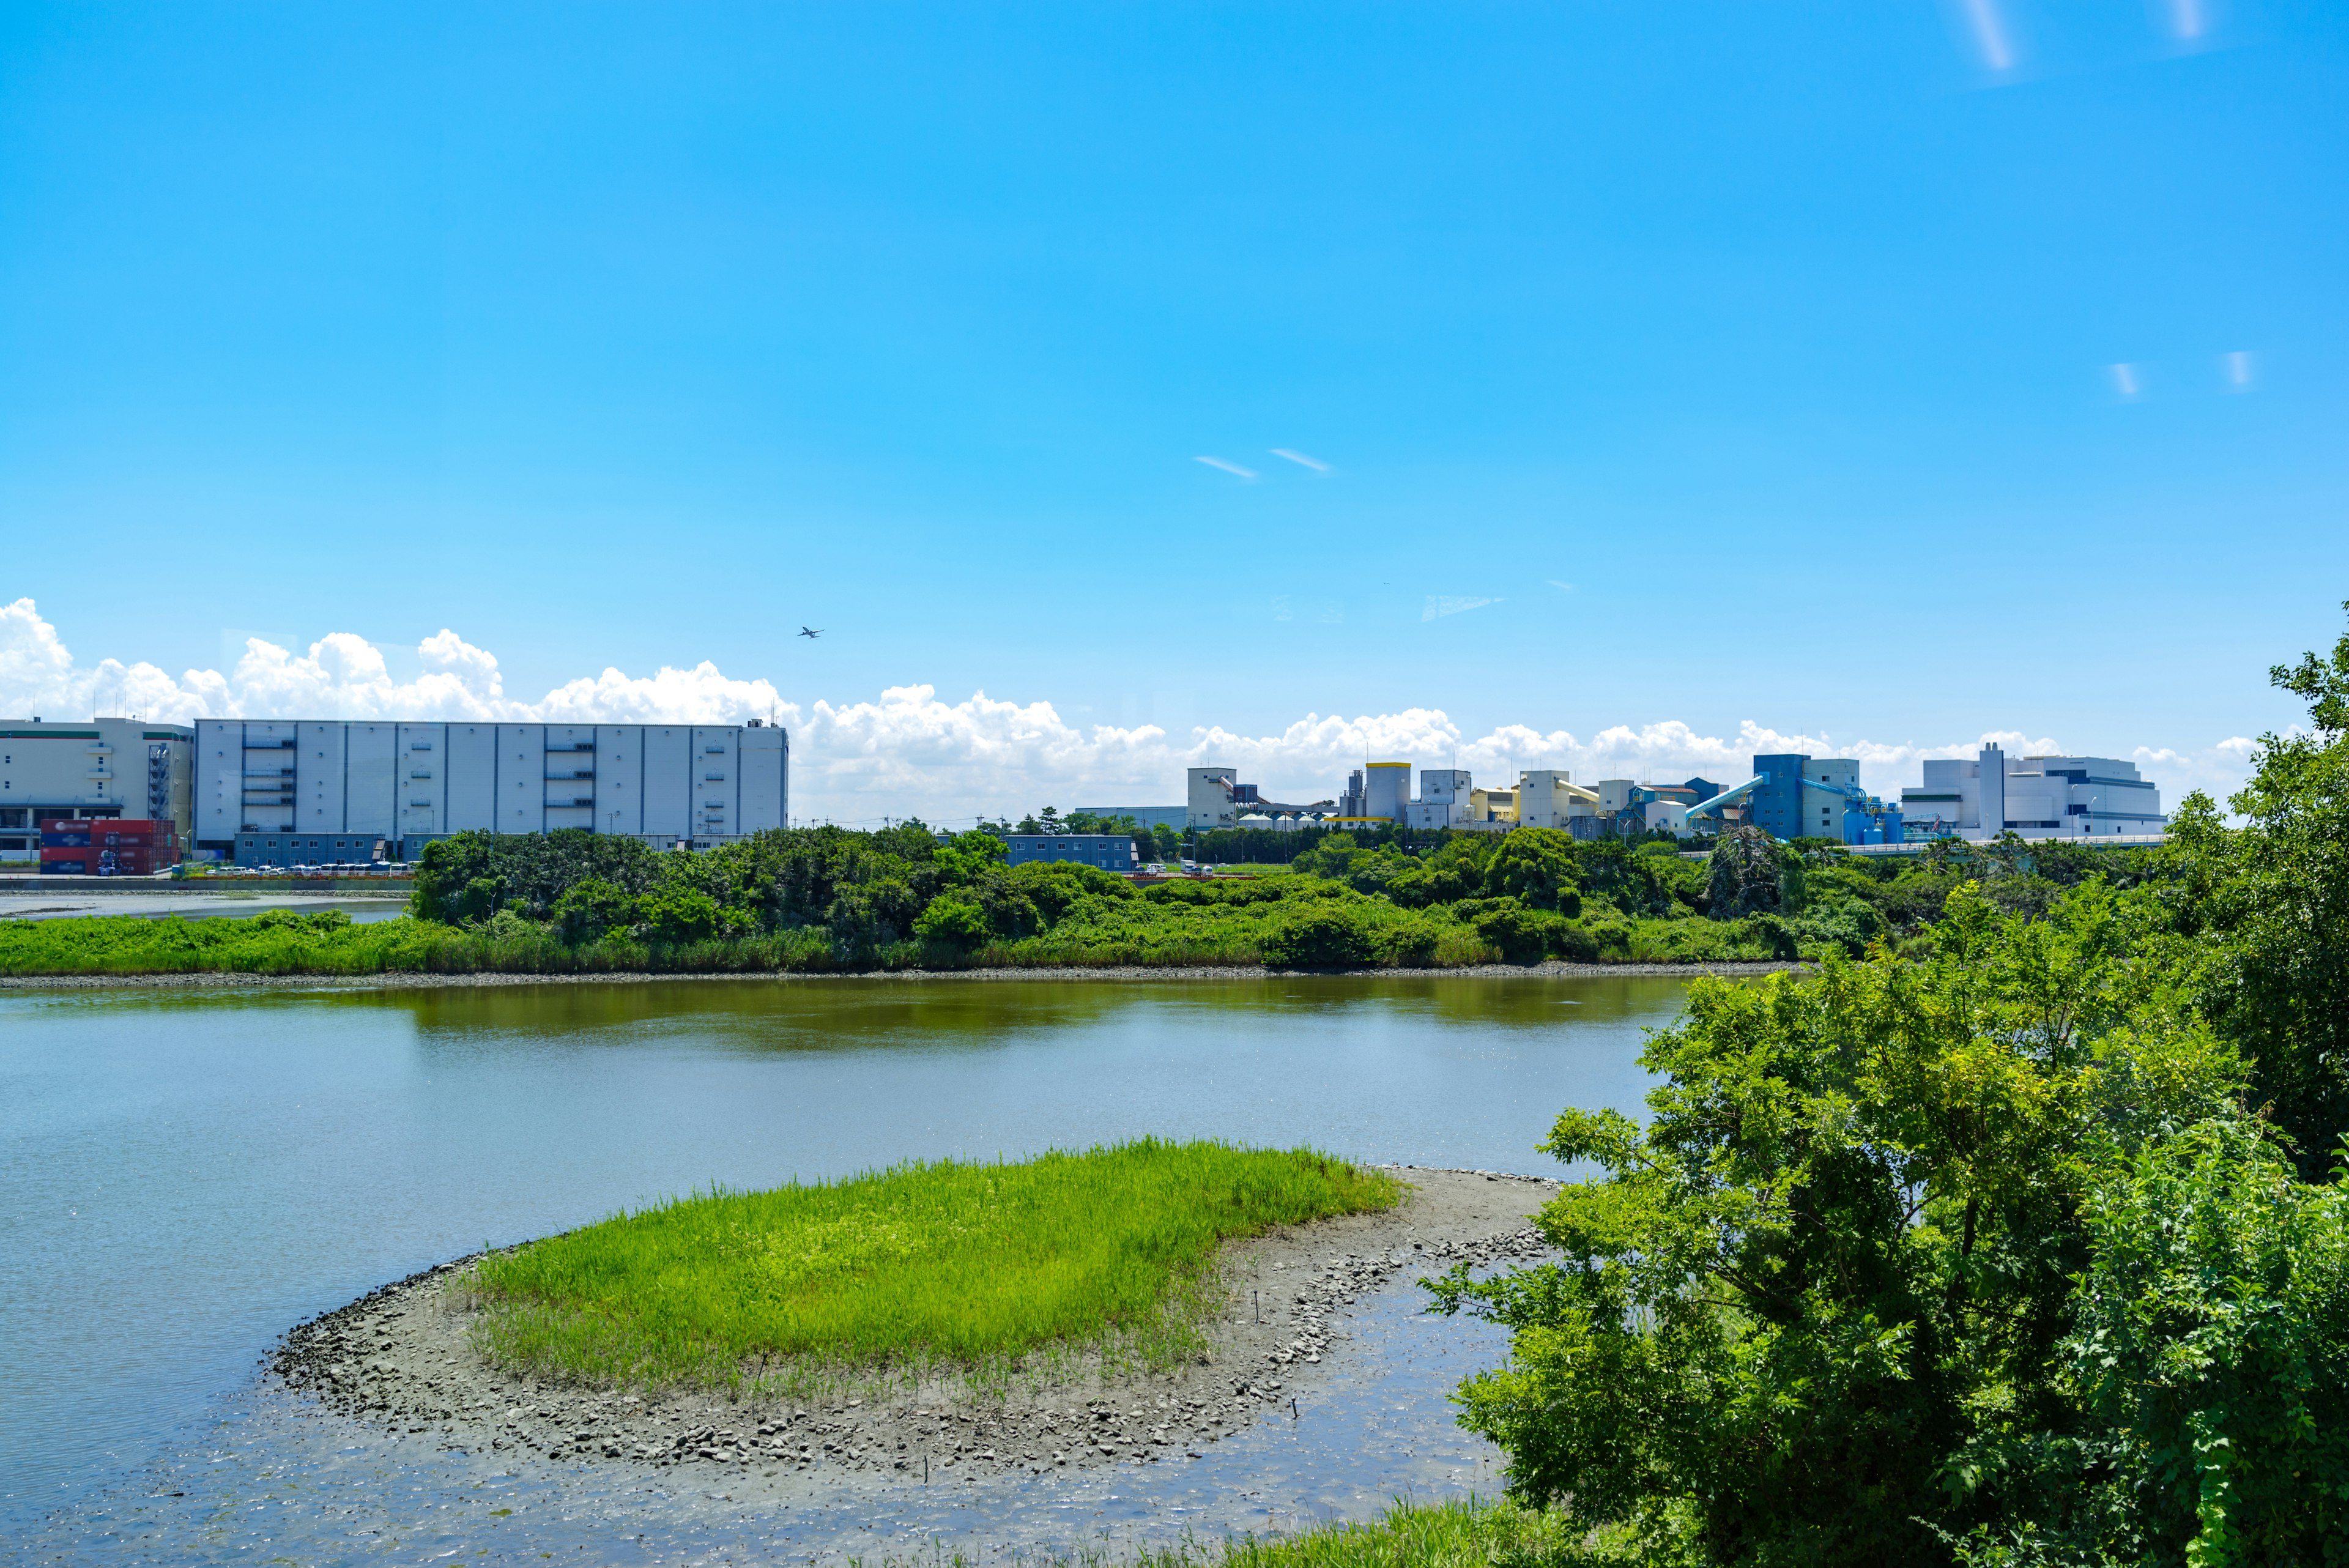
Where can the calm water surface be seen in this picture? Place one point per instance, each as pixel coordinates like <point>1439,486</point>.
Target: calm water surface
<point>183,1176</point>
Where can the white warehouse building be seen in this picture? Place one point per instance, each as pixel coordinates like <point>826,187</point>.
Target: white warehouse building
<point>701,783</point>
<point>2036,797</point>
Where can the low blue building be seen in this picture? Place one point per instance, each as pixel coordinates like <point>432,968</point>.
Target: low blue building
<point>264,851</point>
<point>1109,851</point>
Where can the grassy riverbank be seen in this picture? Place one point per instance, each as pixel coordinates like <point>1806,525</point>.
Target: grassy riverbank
<point>923,1267</point>
<point>1468,1534</point>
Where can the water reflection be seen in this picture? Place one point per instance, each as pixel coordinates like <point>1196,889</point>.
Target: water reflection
<point>184,1175</point>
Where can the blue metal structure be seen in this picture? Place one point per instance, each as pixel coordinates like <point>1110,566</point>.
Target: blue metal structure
<point>1777,805</point>
<point>1733,795</point>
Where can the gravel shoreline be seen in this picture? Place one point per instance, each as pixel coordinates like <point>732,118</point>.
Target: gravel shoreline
<point>399,1358</point>
<point>1127,972</point>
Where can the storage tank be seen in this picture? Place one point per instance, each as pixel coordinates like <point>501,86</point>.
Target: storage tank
<point>1386,785</point>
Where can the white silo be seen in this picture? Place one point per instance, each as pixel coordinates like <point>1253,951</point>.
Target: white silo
<point>1385,788</point>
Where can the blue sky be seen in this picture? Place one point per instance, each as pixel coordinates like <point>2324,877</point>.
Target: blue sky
<point>637,336</point>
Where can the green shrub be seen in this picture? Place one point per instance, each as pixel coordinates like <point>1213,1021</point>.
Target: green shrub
<point>1320,936</point>
<point>952,920</point>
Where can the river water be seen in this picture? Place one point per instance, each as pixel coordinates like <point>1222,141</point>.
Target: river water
<point>183,1176</point>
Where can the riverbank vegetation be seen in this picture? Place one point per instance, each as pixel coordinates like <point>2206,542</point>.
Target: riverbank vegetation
<point>2030,1247</point>
<point>977,1268</point>
<point>834,900</point>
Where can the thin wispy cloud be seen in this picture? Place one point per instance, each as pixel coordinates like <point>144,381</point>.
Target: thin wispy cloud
<point>2127,381</point>
<point>2237,368</point>
<point>1315,463</point>
<point>1562,587</point>
<point>1442,605</point>
<point>1990,33</point>
<point>2186,19</point>
<point>1226,467</point>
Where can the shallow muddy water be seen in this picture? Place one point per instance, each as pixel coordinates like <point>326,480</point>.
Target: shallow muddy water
<point>185,1176</point>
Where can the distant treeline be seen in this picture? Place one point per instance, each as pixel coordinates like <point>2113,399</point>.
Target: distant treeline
<point>903,898</point>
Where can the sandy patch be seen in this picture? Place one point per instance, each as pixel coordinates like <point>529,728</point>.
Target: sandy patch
<point>399,1358</point>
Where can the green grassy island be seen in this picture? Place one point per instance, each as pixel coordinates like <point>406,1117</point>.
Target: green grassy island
<point>827,899</point>
<point>970,1269</point>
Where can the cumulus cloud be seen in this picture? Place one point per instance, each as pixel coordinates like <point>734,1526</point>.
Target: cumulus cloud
<point>911,753</point>
<point>345,675</point>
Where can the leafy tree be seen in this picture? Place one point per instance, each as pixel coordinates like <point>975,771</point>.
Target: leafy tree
<point>2271,900</point>
<point>1742,877</point>
<point>1524,935</point>
<point>1827,1306</point>
<point>686,915</point>
<point>1536,867</point>
<point>592,909</point>
<point>1326,934</point>
<point>466,876</point>
<point>952,920</point>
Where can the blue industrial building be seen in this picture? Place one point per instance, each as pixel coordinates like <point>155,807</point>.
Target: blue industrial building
<point>1794,797</point>
<point>1109,851</point>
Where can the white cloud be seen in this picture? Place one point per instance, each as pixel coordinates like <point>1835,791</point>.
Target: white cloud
<point>1298,458</point>
<point>1226,467</point>
<point>910,752</point>
<point>1442,605</point>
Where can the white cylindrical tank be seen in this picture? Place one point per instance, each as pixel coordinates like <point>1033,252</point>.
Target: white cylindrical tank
<point>1386,785</point>
<point>1257,819</point>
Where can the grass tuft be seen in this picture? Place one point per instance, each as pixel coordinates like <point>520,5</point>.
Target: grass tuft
<point>1470,1533</point>
<point>981,1270</point>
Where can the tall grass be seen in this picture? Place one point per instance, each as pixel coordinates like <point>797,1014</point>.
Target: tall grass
<point>1462,1534</point>
<point>1471,1532</point>
<point>923,1267</point>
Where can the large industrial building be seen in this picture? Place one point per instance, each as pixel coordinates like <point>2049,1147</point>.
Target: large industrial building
<point>1791,796</point>
<point>267,789</point>
<point>90,768</point>
<point>2085,797</point>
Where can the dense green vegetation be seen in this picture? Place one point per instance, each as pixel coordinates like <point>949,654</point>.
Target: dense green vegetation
<point>829,898</point>
<point>969,1265</point>
<point>2029,1244</point>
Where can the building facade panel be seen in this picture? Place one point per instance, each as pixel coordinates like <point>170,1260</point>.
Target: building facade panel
<point>619,778</point>
<point>766,763</point>
<point>370,786</point>
<point>668,781</point>
<point>570,776</point>
<point>271,770</point>
<point>717,783</point>
<point>472,772</point>
<point>521,782</point>
<point>421,783</point>
<point>319,777</point>
<point>220,781</point>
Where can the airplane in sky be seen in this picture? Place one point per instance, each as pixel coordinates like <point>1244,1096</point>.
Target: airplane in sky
<point>807,631</point>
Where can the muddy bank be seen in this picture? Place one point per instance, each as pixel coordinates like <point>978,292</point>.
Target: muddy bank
<point>401,1359</point>
<point>1123,972</point>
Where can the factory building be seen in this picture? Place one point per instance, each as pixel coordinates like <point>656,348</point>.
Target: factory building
<point>1109,851</point>
<point>410,783</point>
<point>92,768</point>
<point>2036,797</point>
<point>1443,800</point>
<point>1209,804</point>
